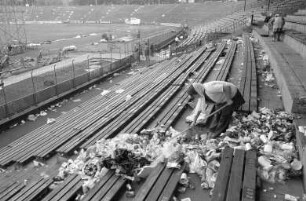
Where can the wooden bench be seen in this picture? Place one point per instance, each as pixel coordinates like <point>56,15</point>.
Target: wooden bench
<point>248,84</point>
<point>42,135</point>
<point>236,178</point>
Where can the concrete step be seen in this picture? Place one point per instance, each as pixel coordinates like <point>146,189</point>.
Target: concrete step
<point>296,26</point>
<point>297,41</point>
<point>301,12</point>
<point>301,19</point>
<point>290,71</point>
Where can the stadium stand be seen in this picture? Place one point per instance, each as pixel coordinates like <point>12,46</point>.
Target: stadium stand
<point>153,90</point>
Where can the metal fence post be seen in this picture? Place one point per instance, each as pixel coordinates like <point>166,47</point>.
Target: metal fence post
<point>5,99</point>
<point>34,90</point>
<point>55,79</point>
<point>88,72</point>
<point>73,71</point>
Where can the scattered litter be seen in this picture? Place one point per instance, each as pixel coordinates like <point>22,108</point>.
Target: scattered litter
<point>63,112</point>
<point>119,91</point>
<point>14,125</point>
<point>186,199</point>
<point>69,48</point>
<point>2,170</point>
<point>291,197</point>
<point>221,61</point>
<point>116,74</point>
<point>131,73</point>
<point>32,117</point>
<point>38,164</point>
<point>44,175</point>
<point>22,122</point>
<point>128,97</point>
<point>50,120</point>
<point>111,81</point>
<point>104,92</point>
<point>43,113</point>
<point>76,100</point>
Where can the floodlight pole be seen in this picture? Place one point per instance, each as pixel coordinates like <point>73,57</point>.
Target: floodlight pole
<point>244,5</point>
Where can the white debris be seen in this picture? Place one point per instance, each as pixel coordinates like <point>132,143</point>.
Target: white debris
<point>38,164</point>
<point>128,97</point>
<point>119,91</point>
<point>104,92</point>
<point>221,61</point>
<point>50,120</point>
<point>32,117</point>
<point>43,113</point>
<point>77,100</point>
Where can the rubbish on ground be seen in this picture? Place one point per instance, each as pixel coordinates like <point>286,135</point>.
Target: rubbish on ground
<point>104,92</point>
<point>32,117</point>
<point>50,120</point>
<point>43,113</point>
<point>38,164</point>
<point>291,197</point>
<point>221,61</point>
<point>76,100</point>
<point>128,97</point>
<point>119,91</point>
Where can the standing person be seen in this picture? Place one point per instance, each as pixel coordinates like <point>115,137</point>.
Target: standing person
<point>277,23</point>
<point>218,94</point>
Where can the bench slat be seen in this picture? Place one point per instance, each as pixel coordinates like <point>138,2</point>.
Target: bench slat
<point>235,181</point>
<point>220,189</point>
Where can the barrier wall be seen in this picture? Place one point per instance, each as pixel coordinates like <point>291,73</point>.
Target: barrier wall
<point>63,87</point>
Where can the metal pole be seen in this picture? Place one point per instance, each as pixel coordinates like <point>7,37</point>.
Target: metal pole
<point>4,97</point>
<point>244,5</point>
<point>34,90</point>
<point>55,79</point>
<point>73,71</point>
<point>88,72</point>
<point>111,64</point>
<point>269,4</point>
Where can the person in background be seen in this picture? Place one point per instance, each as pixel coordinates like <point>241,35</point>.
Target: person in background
<point>220,94</point>
<point>277,23</point>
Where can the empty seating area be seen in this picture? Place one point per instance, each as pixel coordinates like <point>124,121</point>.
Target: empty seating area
<point>164,13</point>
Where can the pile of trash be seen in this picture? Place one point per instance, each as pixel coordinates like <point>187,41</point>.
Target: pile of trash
<point>130,154</point>
<point>272,135</point>
<point>268,132</point>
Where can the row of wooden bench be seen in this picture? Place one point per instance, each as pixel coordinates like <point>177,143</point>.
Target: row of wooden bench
<point>110,185</point>
<point>165,179</point>
<point>118,184</point>
<point>248,84</point>
<point>72,124</point>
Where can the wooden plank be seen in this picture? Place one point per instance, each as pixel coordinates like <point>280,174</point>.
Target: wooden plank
<point>236,176</point>
<point>159,185</point>
<point>37,191</point>
<point>149,183</point>
<point>249,180</point>
<point>13,192</point>
<point>220,189</point>
<point>98,186</point>
<point>4,194</point>
<point>104,190</point>
<point>110,195</point>
<point>169,189</point>
<point>62,186</point>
